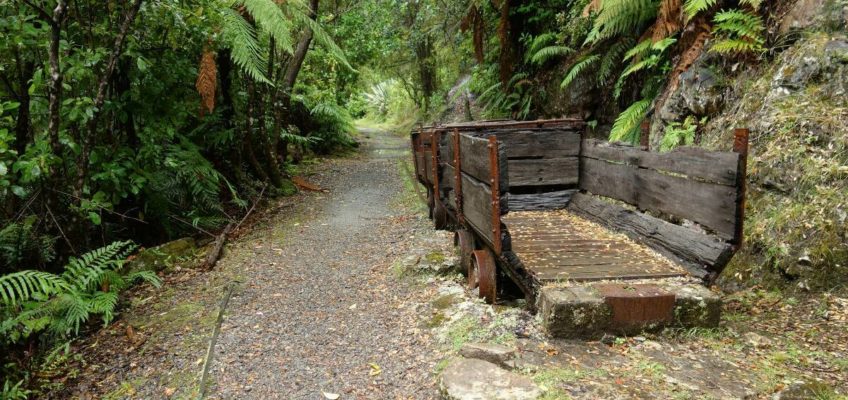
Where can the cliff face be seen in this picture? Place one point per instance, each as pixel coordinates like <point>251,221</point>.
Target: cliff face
<point>796,106</point>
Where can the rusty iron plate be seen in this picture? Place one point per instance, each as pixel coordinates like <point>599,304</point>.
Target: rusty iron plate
<point>638,304</point>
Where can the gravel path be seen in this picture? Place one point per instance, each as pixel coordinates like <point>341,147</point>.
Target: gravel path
<point>319,312</point>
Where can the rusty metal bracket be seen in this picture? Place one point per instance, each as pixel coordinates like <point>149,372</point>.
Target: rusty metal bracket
<point>740,146</point>
<point>457,163</point>
<point>494,169</point>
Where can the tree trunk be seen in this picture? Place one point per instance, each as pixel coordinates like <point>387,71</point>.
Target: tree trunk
<point>296,61</point>
<point>248,138</point>
<point>54,87</point>
<point>23,125</point>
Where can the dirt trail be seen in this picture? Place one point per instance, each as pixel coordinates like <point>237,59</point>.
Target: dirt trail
<point>320,311</point>
<point>319,305</point>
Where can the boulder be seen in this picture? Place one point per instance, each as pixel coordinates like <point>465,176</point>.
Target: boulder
<point>470,379</point>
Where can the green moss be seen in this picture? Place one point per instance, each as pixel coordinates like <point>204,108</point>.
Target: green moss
<point>435,257</point>
<point>446,301</point>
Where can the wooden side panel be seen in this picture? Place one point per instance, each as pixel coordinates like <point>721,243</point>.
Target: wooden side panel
<point>540,201</point>
<point>477,207</point>
<point>711,205</point>
<point>475,157</point>
<point>697,163</point>
<point>700,253</point>
<point>543,172</point>
<point>428,166</point>
<point>547,143</point>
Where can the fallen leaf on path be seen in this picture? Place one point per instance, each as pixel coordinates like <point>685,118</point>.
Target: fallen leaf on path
<point>375,370</point>
<point>302,183</point>
<point>330,396</point>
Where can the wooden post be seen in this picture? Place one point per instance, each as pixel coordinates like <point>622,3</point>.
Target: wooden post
<point>645,135</point>
<point>740,146</point>
<point>496,195</point>
<point>457,163</point>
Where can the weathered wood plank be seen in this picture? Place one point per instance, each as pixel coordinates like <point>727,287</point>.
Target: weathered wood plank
<point>693,162</point>
<point>548,143</point>
<point>700,253</point>
<point>477,207</point>
<point>711,205</point>
<point>540,201</point>
<point>474,153</point>
<point>428,166</point>
<point>543,172</point>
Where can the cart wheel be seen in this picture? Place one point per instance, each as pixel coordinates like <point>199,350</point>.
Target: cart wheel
<point>486,271</point>
<point>440,216</point>
<point>466,249</point>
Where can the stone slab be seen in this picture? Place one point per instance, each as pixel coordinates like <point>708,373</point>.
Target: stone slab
<point>472,379</point>
<point>583,312</point>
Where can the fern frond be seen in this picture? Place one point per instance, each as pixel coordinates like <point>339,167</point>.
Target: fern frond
<point>618,17</point>
<point>85,272</point>
<point>692,7</point>
<point>627,124</point>
<point>546,54</point>
<point>540,42</point>
<point>22,286</point>
<point>611,58</point>
<point>104,303</point>
<point>270,19</point>
<point>737,31</point>
<point>144,276</point>
<point>244,46</point>
<point>577,69</point>
<point>734,46</point>
<point>639,49</point>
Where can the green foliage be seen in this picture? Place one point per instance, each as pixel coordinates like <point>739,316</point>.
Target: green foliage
<point>21,242</point>
<point>513,101</point>
<point>621,17</point>
<point>578,68</point>
<point>543,48</point>
<point>737,32</point>
<point>680,133</point>
<point>693,7</point>
<point>36,301</point>
<point>627,125</point>
<point>13,391</point>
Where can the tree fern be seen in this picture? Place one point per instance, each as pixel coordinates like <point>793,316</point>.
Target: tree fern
<point>320,36</point>
<point>577,68</point>
<point>245,49</point>
<point>270,19</point>
<point>627,125</point>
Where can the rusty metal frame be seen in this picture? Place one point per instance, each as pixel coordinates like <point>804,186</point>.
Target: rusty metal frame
<point>496,193</point>
<point>740,146</point>
<point>457,164</point>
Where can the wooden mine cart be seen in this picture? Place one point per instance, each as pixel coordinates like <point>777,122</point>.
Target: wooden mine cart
<point>539,203</point>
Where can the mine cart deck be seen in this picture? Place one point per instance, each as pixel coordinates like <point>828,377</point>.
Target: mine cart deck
<point>558,246</point>
<point>545,207</point>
